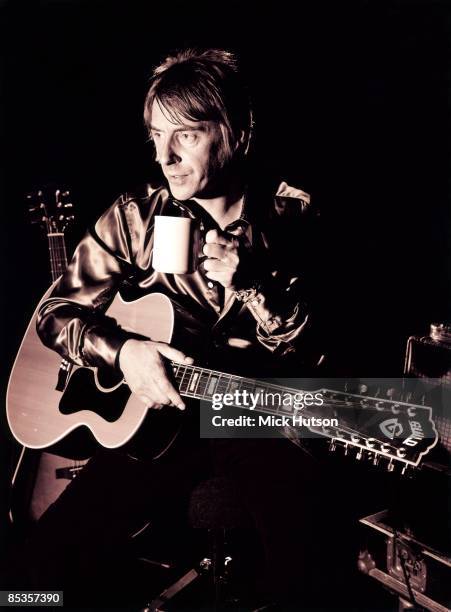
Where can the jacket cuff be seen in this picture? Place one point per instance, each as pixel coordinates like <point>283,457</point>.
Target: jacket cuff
<point>285,334</point>
<point>101,346</point>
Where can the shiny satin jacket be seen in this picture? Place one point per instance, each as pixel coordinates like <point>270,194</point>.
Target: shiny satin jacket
<point>212,325</point>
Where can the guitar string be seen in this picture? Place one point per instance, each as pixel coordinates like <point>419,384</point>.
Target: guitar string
<point>273,387</point>
<point>345,404</point>
<point>58,255</point>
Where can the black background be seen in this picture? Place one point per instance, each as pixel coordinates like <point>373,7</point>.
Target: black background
<point>352,104</point>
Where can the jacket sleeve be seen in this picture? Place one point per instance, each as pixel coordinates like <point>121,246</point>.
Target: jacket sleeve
<point>294,327</point>
<point>289,310</point>
<point>72,321</point>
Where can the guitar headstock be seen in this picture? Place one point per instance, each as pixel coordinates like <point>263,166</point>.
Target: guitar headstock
<point>52,209</point>
<point>381,430</point>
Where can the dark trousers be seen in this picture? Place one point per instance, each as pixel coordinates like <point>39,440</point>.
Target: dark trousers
<point>296,505</point>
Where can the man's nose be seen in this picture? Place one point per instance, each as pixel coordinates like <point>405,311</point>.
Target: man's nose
<point>168,154</point>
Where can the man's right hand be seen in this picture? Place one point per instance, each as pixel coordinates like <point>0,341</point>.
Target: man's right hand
<point>144,370</point>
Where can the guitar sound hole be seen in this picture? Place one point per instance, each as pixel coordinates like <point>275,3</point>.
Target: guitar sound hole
<point>82,394</point>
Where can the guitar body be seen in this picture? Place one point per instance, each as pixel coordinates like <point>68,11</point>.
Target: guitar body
<point>39,415</point>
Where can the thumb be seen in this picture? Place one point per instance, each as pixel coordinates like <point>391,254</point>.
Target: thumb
<point>172,353</point>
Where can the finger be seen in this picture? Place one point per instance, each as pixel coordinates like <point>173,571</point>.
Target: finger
<point>166,390</point>
<point>170,352</point>
<point>171,395</point>
<point>156,406</point>
<point>150,403</point>
<point>214,265</point>
<point>215,250</point>
<point>214,237</point>
<point>155,390</point>
<point>226,265</point>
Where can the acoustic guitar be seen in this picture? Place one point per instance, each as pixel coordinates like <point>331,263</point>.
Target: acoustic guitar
<point>39,478</point>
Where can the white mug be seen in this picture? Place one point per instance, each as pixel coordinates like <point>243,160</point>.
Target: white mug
<point>175,245</point>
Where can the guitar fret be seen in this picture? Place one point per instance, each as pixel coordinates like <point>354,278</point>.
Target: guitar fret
<point>208,382</point>
<point>212,385</point>
<point>193,382</point>
<point>199,379</point>
<point>188,384</point>
<point>189,379</point>
<point>234,384</point>
<point>223,379</point>
<point>181,380</point>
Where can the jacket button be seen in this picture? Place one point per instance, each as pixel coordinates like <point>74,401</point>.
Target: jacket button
<point>210,285</point>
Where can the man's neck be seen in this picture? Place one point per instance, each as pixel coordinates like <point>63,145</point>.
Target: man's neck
<point>226,207</point>
<point>223,209</point>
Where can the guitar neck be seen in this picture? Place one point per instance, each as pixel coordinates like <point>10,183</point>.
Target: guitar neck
<point>57,252</point>
<point>204,384</point>
<point>372,425</point>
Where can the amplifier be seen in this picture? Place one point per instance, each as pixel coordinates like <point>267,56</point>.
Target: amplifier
<point>429,358</point>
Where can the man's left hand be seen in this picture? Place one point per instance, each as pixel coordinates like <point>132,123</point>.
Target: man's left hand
<point>225,260</point>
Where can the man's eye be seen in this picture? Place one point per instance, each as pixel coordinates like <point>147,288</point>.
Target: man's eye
<point>156,135</point>
<point>188,137</point>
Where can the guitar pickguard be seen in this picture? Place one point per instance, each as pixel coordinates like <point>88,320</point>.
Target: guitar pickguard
<point>82,394</point>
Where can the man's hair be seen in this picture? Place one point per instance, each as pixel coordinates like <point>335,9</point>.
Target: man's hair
<point>203,86</point>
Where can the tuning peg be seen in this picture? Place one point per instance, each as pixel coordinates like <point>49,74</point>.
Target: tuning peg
<point>346,448</point>
<point>332,445</point>
<point>376,459</point>
<point>390,466</point>
<point>34,208</point>
<point>68,205</point>
<point>395,408</point>
<point>359,454</point>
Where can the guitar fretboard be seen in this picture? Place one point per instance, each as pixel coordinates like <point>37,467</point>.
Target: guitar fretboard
<point>203,384</point>
<point>58,256</point>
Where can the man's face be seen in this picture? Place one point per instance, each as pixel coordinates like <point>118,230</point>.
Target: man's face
<point>187,152</point>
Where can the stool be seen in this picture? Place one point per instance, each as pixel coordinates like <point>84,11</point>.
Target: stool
<point>215,506</point>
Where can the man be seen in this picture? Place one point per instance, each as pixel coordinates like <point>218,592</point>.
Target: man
<point>250,308</point>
